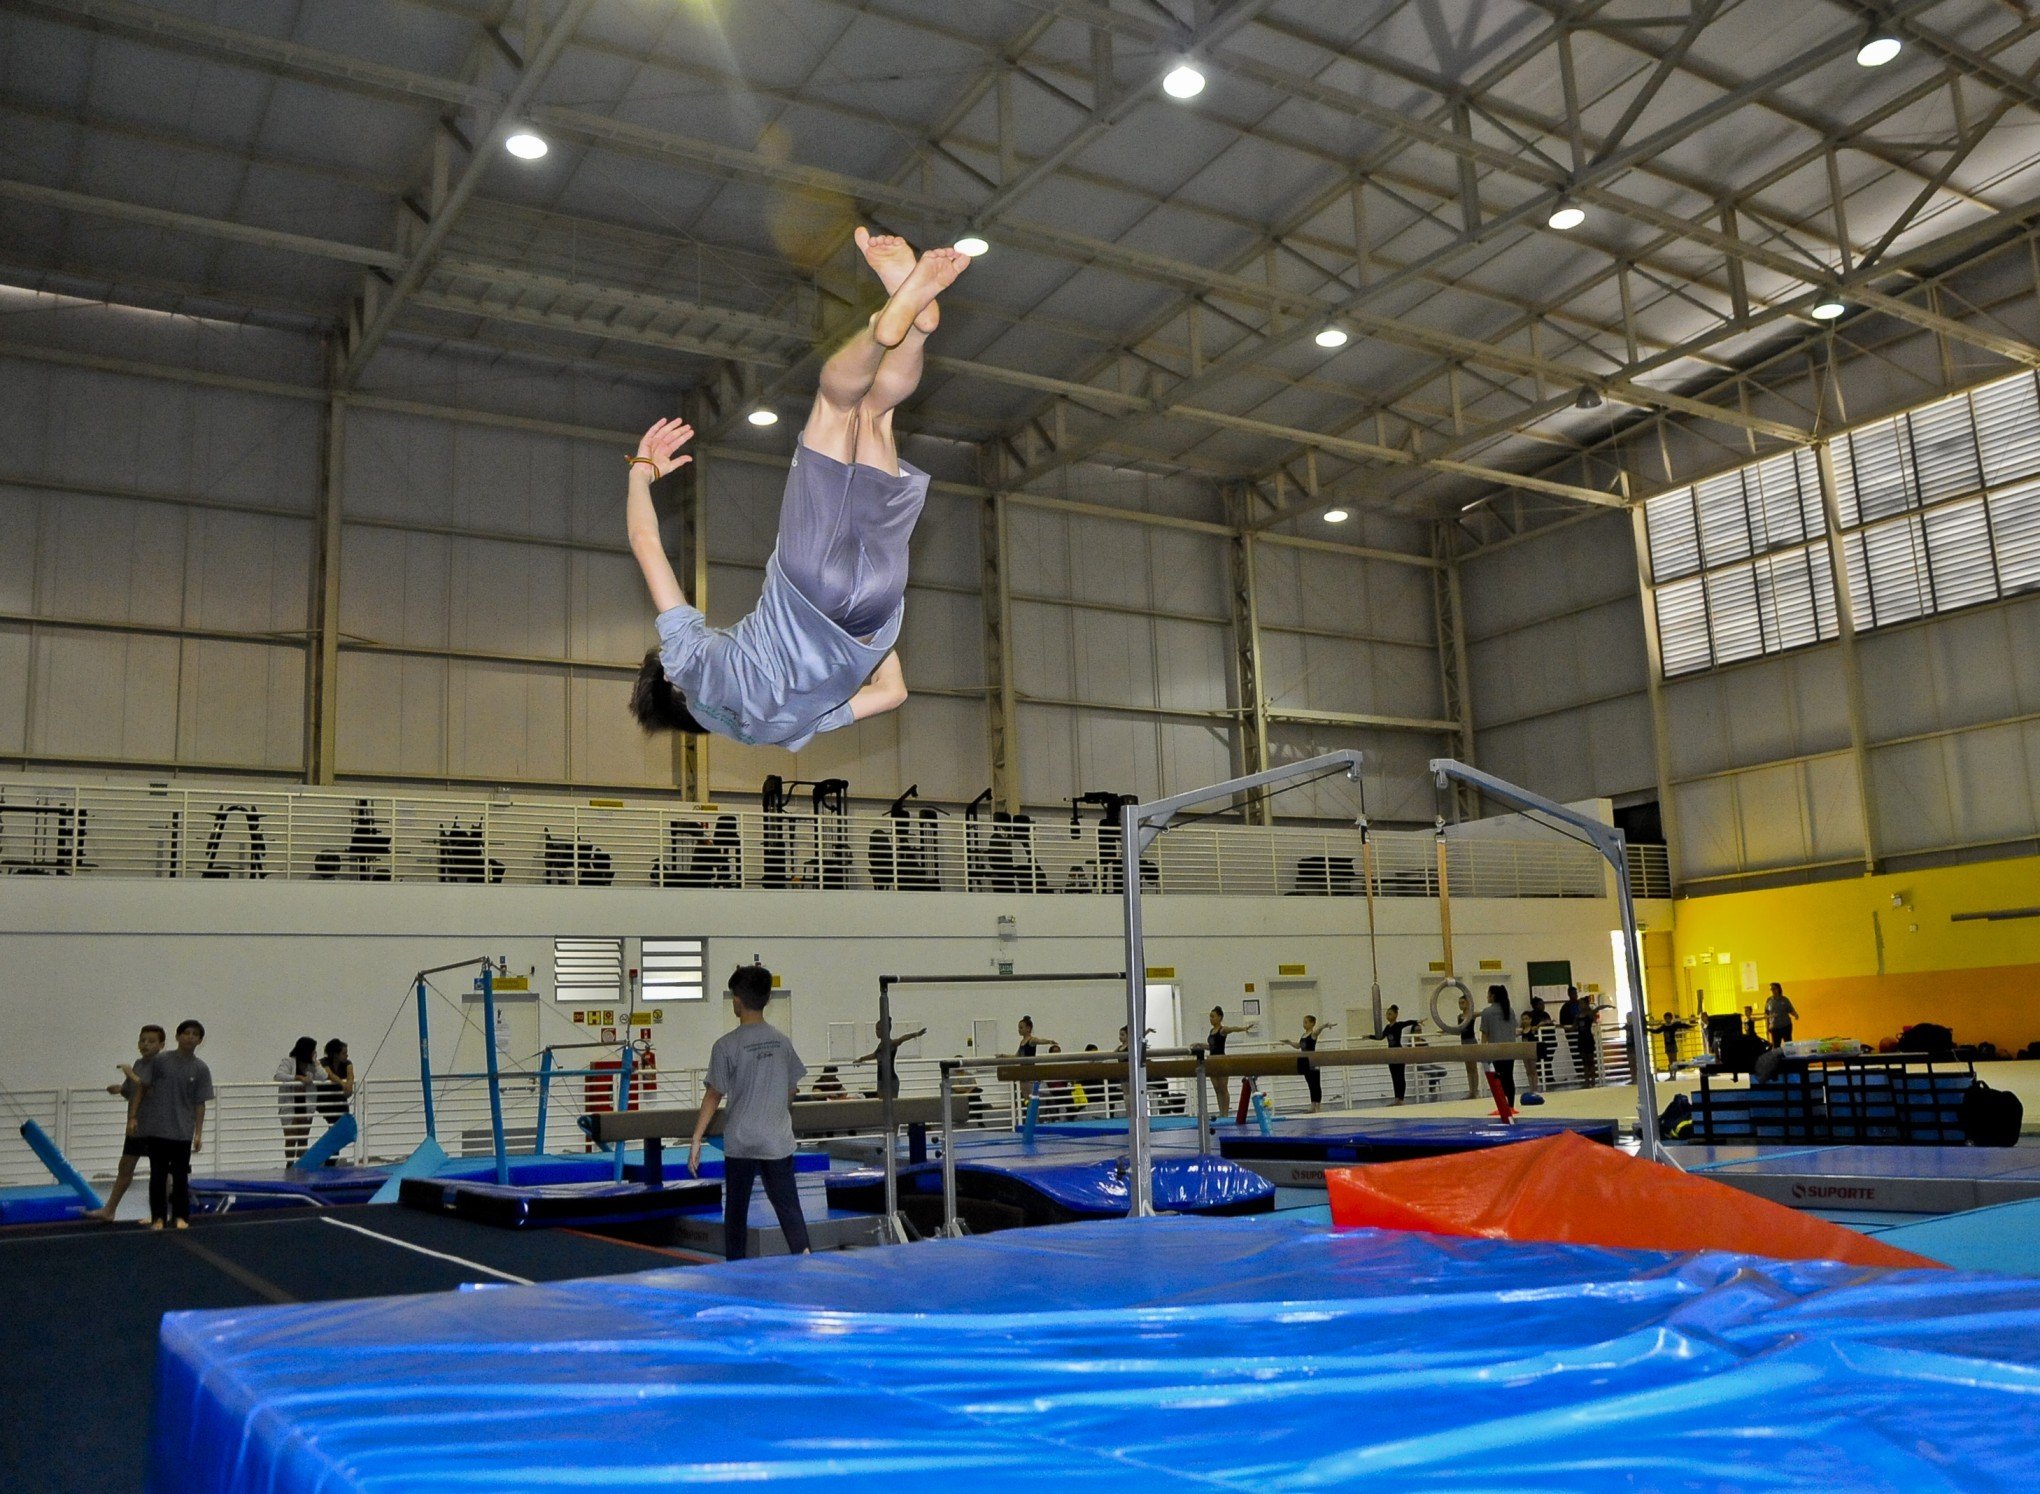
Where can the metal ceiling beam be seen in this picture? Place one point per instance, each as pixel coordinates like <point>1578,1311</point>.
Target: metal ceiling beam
<point>214,228</point>
<point>381,310</point>
<point>1965,248</point>
<point>1555,184</point>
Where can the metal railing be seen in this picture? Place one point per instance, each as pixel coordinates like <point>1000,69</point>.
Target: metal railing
<point>244,1125</point>
<point>1650,871</point>
<point>115,830</point>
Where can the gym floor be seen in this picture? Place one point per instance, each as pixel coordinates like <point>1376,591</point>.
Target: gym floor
<point>80,1306</point>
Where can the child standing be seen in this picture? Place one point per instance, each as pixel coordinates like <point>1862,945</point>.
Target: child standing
<point>756,1069</point>
<point>167,1114</point>
<point>132,1147</point>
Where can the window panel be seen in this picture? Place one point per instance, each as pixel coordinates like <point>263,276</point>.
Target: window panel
<point>1732,610</point>
<point>674,969</point>
<point>1674,538</point>
<point>1724,519</point>
<point>1779,513</point>
<point>1944,450</point>
<point>1896,561</point>
<point>1682,627</point>
<point>587,969</point>
<point>1795,609</point>
<point>2008,429</point>
<point>2015,532</point>
<point>1958,555</point>
<point>1879,474</point>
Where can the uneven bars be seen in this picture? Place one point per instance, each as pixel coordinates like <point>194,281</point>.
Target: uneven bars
<point>895,1231</point>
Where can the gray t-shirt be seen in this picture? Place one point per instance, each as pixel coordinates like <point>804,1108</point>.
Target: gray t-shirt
<point>1496,1025</point>
<point>176,1087</point>
<point>755,1070</point>
<point>780,677</point>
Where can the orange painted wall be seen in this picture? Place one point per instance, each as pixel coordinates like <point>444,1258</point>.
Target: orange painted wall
<point>1858,965</point>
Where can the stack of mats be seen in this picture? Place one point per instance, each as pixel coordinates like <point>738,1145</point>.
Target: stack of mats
<point>1159,1354</point>
<point>1347,1139</point>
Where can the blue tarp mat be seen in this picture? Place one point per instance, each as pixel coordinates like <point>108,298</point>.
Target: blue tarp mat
<point>1170,1353</point>
<point>1347,1139</point>
<point>44,1204</point>
<point>1102,1127</point>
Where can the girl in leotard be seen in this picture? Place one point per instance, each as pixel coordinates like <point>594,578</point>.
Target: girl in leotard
<point>1307,1045</point>
<point>1214,1044</point>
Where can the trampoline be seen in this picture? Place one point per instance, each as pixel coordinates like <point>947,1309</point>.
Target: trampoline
<point>331,1187</point>
<point>1007,1182</point>
<point>545,1205</point>
<point>1149,1353</point>
<point>1300,1149</point>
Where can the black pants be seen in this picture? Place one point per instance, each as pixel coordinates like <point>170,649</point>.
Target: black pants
<point>1505,1070</point>
<point>1316,1083</point>
<point>169,1179</point>
<point>777,1173</point>
<point>1399,1078</point>
<point>1583,1045</point>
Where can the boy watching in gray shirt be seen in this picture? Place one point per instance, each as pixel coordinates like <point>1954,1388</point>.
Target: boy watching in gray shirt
<point>168,1114</point>
<point>756,1070</point>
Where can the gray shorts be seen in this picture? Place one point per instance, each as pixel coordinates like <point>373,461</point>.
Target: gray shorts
<point>844,529</point>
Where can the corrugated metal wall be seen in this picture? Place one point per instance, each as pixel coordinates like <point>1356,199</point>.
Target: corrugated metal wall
<point>1556,662</point>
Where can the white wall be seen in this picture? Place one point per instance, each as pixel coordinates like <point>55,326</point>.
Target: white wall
<point>261,962</point>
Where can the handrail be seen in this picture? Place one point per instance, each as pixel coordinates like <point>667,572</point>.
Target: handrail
<point>303,834</point>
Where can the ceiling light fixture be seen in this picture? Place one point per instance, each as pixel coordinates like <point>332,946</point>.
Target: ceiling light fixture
<point>1589,399</point>
<point>526,146</point>
<point>1827,308</point>
<point>1332,337</point>
<point>1336,516</point>
<point>1877,51</point>
<point>1183,82</point>
<point>1565,217</point>
<point>972,245</point>
<point>763,417</point>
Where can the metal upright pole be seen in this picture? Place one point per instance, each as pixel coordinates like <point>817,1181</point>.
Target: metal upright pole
<point>425,1062</point>
<point>1203,1106</point>
<point>495,1075</point>
<point>1141,1203</point>
<point>545,1068</point>
<point>951,1226</point>
<point>622,1099</point>
<point>888,1065</point>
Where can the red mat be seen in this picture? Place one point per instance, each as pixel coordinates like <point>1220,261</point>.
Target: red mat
<point>1566,1188</point>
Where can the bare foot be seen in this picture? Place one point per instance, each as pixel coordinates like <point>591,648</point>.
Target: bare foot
<point>102,1214</point>
<point>936,272</point>
<point>892,259</point>
<point>155,1224</point>
<point>184,1224</point>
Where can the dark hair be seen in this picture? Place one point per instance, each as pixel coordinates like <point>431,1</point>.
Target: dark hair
<point>1090,1047</point>
<point>752,986</point>
<point>333,1047</point>
<point>1026,1022</point>
<point>1218,1012</point>
<point>1393,1007</point>
<point>305,1049</point>
<point>152,1027</point>
<point>1501,994</point>
<point>191,1024</point>
<point>1308,1017</point>
<point>655,704</point>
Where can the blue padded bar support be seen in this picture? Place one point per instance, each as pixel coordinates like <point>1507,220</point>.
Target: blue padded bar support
<point>59,1165</point>
<point>338,1135</point>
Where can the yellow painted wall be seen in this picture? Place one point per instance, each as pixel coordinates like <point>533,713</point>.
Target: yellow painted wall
<point>1857,966</point>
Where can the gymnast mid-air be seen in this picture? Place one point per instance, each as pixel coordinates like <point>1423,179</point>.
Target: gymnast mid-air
<point>816,653</point>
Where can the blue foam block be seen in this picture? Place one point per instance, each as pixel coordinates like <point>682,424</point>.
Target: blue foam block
<point>1157,1354</point>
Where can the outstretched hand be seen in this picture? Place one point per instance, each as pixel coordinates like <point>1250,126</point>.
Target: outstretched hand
<point>662,441</point>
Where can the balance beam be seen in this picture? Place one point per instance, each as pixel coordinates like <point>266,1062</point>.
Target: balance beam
<point>1258,1065</point>
<point>810,1118</point>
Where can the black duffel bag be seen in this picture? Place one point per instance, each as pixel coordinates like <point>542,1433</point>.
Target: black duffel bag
<point>1991,1117</point>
